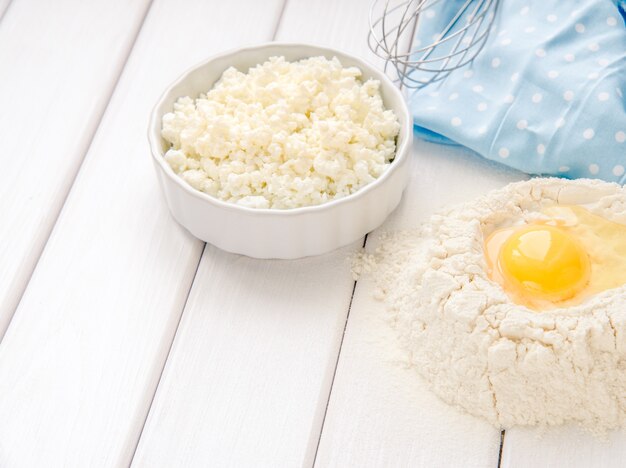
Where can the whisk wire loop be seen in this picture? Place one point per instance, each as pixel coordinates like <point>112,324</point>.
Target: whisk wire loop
<point>395,27</point>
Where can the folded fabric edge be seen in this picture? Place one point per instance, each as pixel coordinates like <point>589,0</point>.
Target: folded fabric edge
<point>433,137</point>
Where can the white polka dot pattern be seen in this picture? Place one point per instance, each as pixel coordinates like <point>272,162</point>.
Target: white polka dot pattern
<point>544,95</point>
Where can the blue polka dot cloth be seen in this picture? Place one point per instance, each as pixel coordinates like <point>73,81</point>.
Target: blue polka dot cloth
<point>546,93</point>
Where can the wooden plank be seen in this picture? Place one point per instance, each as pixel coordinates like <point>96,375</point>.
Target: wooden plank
<point>81,359</point>
<point>247,380</point>
<point>249,373</point>
<point>563,446</point>
<point>380,413</point>
<point>60,61</point>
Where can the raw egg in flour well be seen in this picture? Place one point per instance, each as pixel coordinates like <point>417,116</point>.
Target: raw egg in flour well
<point>558,261</point>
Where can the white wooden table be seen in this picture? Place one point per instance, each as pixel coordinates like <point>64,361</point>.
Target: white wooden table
<point>128,342</point>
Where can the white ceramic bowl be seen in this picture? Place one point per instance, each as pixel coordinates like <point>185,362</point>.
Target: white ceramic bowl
<point>270,233</point>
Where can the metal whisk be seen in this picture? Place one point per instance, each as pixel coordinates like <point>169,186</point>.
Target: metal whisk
<point>459,30</point>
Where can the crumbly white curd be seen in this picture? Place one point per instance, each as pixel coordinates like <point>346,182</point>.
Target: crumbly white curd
<point>283,135</point>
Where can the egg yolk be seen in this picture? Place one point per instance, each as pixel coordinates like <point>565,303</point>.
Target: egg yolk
<point>559,260</point>
<point>544,261</point>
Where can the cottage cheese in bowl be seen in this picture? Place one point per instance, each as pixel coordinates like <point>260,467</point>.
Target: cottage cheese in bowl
<point>281,150</point>
<point>283,135</point>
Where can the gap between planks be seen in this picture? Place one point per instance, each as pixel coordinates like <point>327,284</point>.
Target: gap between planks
<point>4,7</point>
<point>345,326</point>
<point>182,312</point>
<point>169,350</point>
<point>502,432</point>
<point>502,435</point>
<point>76,170</point>
<point>330,388</point>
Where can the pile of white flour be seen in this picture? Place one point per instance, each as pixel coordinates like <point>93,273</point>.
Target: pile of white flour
<point>478,350</point>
